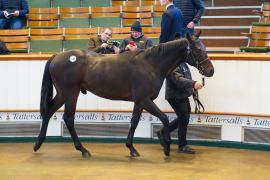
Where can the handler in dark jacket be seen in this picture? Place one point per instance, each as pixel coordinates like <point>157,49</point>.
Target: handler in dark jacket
<point>137,40</point>
<point>180,86</point>
<point>192,11</point>
<point>171,22</point>
<point>12,13</point>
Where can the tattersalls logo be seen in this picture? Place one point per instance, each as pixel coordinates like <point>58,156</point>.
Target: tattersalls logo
<point>26,116</point>
<point>217,119</point>
<point>227,120</point>
<point>86,116</point>
<point>261,122</point>
<point>119,117</point>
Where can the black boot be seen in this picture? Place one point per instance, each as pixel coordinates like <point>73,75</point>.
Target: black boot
<point>186,149</point>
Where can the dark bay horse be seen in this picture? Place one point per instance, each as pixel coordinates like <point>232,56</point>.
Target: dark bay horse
<point>131,76</point>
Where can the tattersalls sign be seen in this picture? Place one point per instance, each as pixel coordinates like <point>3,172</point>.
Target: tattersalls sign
<point>20,116</point>
<point>260,122</point>
<point>203,119</point>
<point>219,120</point>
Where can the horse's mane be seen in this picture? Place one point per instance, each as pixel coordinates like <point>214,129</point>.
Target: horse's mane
<point>159,50</point>
<point>163,48</point>
<point>88,52</point>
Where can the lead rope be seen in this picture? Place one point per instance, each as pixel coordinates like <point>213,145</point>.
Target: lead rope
<point>199,108</point>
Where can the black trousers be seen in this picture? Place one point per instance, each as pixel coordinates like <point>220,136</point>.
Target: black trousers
<point>182,109</point>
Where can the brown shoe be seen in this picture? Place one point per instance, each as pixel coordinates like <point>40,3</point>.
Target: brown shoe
<point>186,149</point>
<point>160,137</point>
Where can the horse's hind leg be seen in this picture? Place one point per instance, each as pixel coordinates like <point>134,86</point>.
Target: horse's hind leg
<point>70,108</point>
<point>137,111</point>
<point>151,107</point>
<point>56,103</point>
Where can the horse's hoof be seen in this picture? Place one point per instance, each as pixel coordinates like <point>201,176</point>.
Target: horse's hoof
<point>167,153</point>
<point>36,147</point>
<point>134,154</point>
<point>86,154</point>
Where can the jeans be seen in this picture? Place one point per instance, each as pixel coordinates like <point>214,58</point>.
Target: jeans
<point>12,23</point>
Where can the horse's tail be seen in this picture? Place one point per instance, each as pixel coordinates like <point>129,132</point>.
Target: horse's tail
<point>46,89</point>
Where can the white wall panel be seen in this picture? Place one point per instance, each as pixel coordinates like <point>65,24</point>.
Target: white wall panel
<point>21,82</point>
<point>237,86</point>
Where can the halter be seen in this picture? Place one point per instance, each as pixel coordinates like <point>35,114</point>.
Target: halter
<point>189,53</point>
<point>199,108</point>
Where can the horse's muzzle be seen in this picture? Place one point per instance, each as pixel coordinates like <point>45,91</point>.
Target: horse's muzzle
<point>206,68</point>
<point>210,73</point>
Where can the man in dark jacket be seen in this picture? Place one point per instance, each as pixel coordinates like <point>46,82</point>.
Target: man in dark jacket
<point>171,22</point>
<point>137,40</point>
<point>192,11</point>
<point>101,43</point>
<point>179,86</point>
<point>12,13</point>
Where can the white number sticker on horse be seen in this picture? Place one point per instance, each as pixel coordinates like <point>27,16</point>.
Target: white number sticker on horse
<point>73,58</point>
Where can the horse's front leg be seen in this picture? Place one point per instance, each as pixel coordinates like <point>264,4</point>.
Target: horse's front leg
<point>137,111</point>
<point>152,108</point>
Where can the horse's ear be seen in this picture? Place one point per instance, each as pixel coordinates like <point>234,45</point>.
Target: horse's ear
<point>198,33</point>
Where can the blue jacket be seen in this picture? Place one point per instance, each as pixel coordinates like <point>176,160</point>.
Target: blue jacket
<point>171,24</point>
<point>20,5</point>
<point>192,10</point>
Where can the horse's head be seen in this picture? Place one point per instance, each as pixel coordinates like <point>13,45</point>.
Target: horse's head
<point>198,57</point>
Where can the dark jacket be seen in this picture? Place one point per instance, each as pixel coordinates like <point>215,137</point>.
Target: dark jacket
<point>141,42</point>
<point>171,24</point>
<point>12,5</point>
<point>179,84</point>
<point>95,43</point>
<point>192,10</point>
